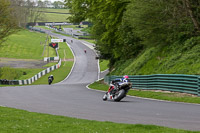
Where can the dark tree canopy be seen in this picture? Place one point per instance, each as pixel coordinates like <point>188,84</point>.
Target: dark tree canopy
<point>123,28</point>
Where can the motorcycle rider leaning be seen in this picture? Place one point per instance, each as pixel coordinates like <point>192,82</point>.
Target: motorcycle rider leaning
<point>116,83</point>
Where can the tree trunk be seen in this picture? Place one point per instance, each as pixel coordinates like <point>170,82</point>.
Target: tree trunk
<point>189,10</point>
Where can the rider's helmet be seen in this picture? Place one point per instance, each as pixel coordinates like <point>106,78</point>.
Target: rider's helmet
<point>51,75</point>
<point>125,76</point>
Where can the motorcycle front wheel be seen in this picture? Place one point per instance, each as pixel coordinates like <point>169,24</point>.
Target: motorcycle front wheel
<point>119,95</point>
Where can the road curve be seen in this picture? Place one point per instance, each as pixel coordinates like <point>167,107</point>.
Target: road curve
<point>71,98</point>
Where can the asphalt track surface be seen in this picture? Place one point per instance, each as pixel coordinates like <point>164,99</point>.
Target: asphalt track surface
<point>72,98</point>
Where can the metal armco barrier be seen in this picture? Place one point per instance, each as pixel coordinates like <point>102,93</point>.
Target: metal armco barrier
<point>167,82</point>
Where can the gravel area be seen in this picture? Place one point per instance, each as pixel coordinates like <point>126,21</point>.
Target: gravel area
<point>21,63</point>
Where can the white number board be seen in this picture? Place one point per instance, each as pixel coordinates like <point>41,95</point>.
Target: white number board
<point>56,40</point>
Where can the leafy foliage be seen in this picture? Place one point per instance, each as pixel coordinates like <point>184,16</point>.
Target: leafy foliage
<point>7,21</point>
<point>124,29</point>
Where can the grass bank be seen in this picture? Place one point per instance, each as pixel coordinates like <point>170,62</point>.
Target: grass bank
<point>14,120</point>
<point>176,97</point>
<point>178,58</point>
<point>103,65</point>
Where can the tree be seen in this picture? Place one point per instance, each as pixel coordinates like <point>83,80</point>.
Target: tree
<point>27,11</point>
<point>58,4</point>
<point>193,7</point>
<point>162,22</point>
<point>7,21</point>
<point>106,16</point>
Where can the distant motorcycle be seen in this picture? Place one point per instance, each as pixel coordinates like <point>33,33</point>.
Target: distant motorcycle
<point>50,79</point>
<point>118,91</point>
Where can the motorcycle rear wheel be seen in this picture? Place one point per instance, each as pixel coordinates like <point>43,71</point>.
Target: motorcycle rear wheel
<point>121,94</point>
<point>105,97</point>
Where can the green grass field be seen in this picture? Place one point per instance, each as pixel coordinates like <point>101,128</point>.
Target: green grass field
<point>56,10</point>
<point>25,45</point>
<point>20,121</point>
<point>54,17</point>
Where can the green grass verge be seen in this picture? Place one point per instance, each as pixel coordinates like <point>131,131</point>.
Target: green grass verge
<point>29,72</point>
<point>103,65</point>
<point>20,121</point>
<point>64,51</point>
<point>88,40</point>
<point>176,97</point>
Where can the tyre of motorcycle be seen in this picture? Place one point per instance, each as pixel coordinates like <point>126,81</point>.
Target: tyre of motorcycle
<point>105,97</point>
<point>121,94</point>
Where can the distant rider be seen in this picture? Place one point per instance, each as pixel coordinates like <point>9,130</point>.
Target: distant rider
<point>51,78</point>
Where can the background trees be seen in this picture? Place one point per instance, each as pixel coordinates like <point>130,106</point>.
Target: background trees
<point>17,13</point>
<point>7,21</point>
<point>27,11</point>
<point>124,28</point>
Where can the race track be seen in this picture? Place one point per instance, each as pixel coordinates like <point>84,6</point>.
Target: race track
<point>72,98</point>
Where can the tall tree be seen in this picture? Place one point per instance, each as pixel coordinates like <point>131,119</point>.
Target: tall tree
<point>7,21</point>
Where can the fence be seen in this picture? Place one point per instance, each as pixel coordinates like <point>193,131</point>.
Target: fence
<point>167,82</point>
